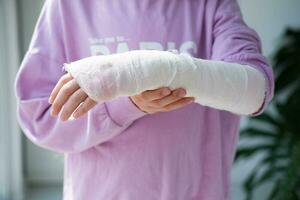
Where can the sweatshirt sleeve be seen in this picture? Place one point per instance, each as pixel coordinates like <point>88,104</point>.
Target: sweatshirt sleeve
<point>40,70</point>
<point>235,42</point>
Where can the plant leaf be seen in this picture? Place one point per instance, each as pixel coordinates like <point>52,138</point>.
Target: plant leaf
<point>255,132</point>
<point>246,152</point>
<point>267,118</point>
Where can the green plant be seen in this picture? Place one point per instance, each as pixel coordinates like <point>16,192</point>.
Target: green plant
<point>279,143</point>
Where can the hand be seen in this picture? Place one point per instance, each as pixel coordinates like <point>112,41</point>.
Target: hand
<point>67,96</point>
<point>161,100</point>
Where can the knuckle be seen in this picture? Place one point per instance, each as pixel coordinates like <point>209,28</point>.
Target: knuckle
<point>67,89</point>
<point>56,105</point>
<point>66,110</point>
<point>63,80</point>
<point>83,108</point>
<point>88,105</point>
<point>77,96</point>
<point>54,108</point>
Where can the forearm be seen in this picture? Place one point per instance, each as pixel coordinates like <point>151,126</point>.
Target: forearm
<point>226,86</point>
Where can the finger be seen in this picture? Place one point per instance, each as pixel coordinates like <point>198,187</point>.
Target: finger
<point>174,96</point>
<point>72,103</point>
<point>151,95</point>
<point>61,82</point>
<point>87,105</point>
<point>180,103</point>
<point>63,95</point>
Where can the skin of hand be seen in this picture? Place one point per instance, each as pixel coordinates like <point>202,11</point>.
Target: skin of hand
<point>67,97</point>
<point>161,100</point>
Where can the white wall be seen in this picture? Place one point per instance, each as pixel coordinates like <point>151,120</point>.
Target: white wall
<point>268,17</point>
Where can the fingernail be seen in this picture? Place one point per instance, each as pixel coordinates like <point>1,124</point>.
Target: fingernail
<point>191,100</point>
<point>53,113</point>
<point>75,115</point>
<point>166,92</point>
<point>50,100</point>
<point>181,93</point>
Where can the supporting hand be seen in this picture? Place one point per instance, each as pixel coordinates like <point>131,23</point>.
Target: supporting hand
<point>161,100</point>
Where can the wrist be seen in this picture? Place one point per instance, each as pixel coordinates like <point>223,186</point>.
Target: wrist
<point>133,101</point>
<point>123,111</point>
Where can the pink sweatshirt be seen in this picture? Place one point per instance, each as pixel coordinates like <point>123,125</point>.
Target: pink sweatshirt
<point>116,151</point>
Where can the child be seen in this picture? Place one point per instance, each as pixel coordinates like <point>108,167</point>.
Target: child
<point>149,146</point>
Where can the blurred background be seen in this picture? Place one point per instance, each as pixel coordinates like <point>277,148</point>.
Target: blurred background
<point>268,159</point>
